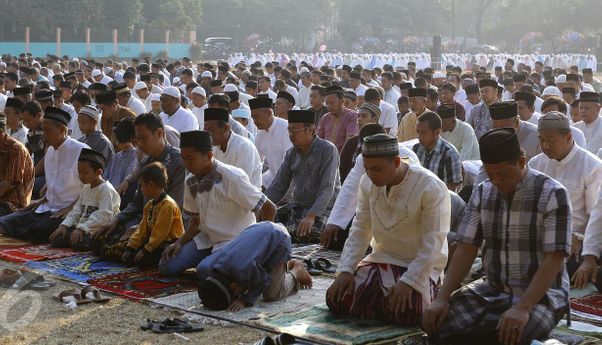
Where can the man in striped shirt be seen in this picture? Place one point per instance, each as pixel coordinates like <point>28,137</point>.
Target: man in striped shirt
<point>435,153</point>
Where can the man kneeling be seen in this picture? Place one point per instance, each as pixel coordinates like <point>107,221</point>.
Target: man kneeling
<point>256,262</point>
<point>403,212</point>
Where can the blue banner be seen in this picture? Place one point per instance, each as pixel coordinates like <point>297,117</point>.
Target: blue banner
<point>97,50</point>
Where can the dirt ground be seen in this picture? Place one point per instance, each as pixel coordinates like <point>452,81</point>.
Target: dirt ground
<point>32,317</point>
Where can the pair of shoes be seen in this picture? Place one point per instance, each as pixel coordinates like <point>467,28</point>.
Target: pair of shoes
<point>280,339</point>
<point>24,279</point>
<point>318,266</point>
<point>170,325</point>
<point>85,295</point>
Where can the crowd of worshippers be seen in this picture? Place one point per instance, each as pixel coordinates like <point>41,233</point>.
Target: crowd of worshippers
<point>219,168</point>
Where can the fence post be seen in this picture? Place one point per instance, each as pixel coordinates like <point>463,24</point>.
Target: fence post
<point>167,42</point>
<point>58,42</point>
<point>192,37</point>
<point>115,48</point>
<point>27,40</point>
<point>141,42</point>
<point>88,47</point>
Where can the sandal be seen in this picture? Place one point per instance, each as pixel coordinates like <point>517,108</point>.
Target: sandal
<point>311,269</point>
<point>284,339</point>
<point>72,295</point>
<point>93,294</point>
<point>8,277</point>
<point>28,279</point>
<point>171,325</point>
<point>324,265</point>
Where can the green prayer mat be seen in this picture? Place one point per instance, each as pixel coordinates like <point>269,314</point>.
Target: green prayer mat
<point>319,324</point>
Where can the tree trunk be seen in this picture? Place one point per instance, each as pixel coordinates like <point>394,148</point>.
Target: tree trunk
<point>483,5</point>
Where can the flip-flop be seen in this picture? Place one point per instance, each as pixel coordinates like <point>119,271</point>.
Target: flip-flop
<point>311,269</point>
<point>26,279</point>
<point>8,277</point>
<point>41,286</point>
<point>284,339</point>
<point>325,265</point>
<point>93,294</point>
<point>72,295</point>
<point>170,325</point>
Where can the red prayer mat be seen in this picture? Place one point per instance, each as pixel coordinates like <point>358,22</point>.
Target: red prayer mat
<point>590,304</point>
<point>9,242</point>
<point>34,253</point>
<point>145,284</point>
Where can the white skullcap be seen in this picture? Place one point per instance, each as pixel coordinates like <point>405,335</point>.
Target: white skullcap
<point>551,91</point>
<point>587,87</point>
<point>108,70</point>
<point>171,91</point>
<point>75,59</point>
<point>438,75</point>
<point>140,86</point>
<point>230,88</point>
<point>199,90</point>
<point>206,74</point>
<point>246,72</point>
<point>91,111</point>
<point>241,113</point>
<point>176,80</point>
<point>561,78</point>
<point>304,69</point>
<point>155,97</point>
<point>96,72</point>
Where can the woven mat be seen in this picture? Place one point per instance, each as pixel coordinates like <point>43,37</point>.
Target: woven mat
<point>144,284</point>
<point>80,268</point>
<point>9,242</point>
<point>34,253</point>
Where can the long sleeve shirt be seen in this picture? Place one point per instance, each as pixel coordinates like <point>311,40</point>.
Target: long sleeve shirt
<point>241,153</point>
<point>480,119</point>
<point>161,221</point>
<point>176,173</point>
<point>593,134</point>
<point>250,258</point>
<point>465,141</point>
<point>406,227</point>
<point>95,206</point>
<point>183,120</point>
<point>272,144</point>
<point>315,176</point>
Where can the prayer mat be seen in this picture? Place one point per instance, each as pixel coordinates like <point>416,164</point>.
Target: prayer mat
<point>303,299</point>
<point>313,252</point>
<point>590,304</point>
<point>318,323</point>
<point>34,253</point>
<point>145,284</point>
<point>81,268</point>
<point>9,242</point>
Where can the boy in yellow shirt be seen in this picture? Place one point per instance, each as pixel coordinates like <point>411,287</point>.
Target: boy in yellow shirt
<point>161,221</point>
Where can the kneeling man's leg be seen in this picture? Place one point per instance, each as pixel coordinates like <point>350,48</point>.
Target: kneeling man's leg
<point>188,257</point>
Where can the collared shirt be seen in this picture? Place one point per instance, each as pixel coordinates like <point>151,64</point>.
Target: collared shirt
<point>123,163</point>
<point>593,134</point>
<point>107,125</point>
<point>241,153</point>
<point>250,258</point>
<point>528,139</point>
<point>391,97</point>
<point>344,206</point>
<point>199,113</point>
<point>444,160</point>
<point>337,129</point>
<point>592,244</point>
<point>388,117</point>
<point>224,200</point>
<point>580,172</point>
<point>464,140</point>
<point>315,176</point>
<point>518,233</point>
<point>176,173</point>
<point>303,97</point>
<point>136,105</point>
<point>17,168</point>
<point>20,134</point>
<point>407,128</point>
<point>62,177</point>
<point>479,119</point>
<point>99,142</point>
<point>272,144</point>
<point>95,206</point>
<point>406,226</point>
<point>183,120</point>
<point>534,119</point>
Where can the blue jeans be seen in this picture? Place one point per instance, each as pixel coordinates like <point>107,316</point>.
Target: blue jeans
<point>188,257</point>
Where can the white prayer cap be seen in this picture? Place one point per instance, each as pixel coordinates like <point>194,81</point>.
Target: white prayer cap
<point>199,90</point>
<point>108,70</point>
<point>90,111</point>
<point>175,80</point>
<point>206,74</point>
<point>230,88</point>
<point>304,69</point>
<point>241,113</point>
<point>155,97</point>
<point>3,64</point>
<point>439,75</point>
<point>551,91</point>
<point>561,78</point>
<point>96,72</point>
<point>75,59</point>
<point>171,91</point>
<point>140,86</point>
<point>587,87</point>
<point>246,72</point>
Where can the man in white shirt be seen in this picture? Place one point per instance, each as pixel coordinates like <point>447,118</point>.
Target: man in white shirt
<point>14,122</point>
<point>100,77</point>
<point>526,107</point>
<point>357,86</point>
<point>231,148</point>
<point>142,93</point>
<point>272,139</point>
<point>391,95</point>
<point>198,96</point>
<point>577,169</point>
<point>590,124</point>
<point>265,87</point>
<point>458,133</point>
<point>388,115</point>
<point>125,99</point>
<point>408,239</point>
<point>304,91</point>
<point>174,115</point>
<point>473,97</point>
<point>37,221</point>
<point>220,201</point>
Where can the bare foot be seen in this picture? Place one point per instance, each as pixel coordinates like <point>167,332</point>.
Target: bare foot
<point>297,268</point>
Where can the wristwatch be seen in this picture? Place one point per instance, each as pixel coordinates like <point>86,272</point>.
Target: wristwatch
<point>579,236</point>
